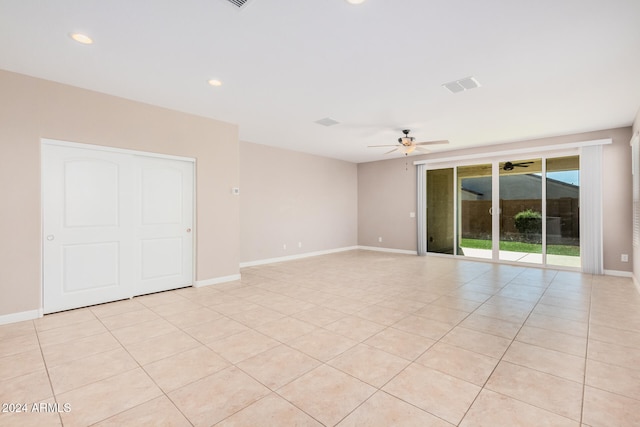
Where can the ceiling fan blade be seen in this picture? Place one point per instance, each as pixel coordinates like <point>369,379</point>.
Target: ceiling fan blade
<point>422,149</point>
<point>391,151</point>
<point>523,164</point>
<point>444,141</point>
<point>393,145</point>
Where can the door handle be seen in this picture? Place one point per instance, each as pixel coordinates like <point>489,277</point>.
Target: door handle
<point>188,230</point>
<point>50,237</point>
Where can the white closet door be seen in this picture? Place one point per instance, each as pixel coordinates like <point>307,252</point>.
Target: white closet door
<point>86,211</point>
<point>115,225</point>
<point>163,220</point>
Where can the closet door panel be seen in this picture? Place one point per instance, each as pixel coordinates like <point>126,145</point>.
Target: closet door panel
<point>115,225</point>
<point>164,224</point>
<point>86,211</point>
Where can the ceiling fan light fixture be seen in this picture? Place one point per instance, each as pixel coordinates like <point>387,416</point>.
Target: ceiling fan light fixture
<point>405,140</point>
<point>408,144</point>
<point>355,1</point>
<point>407,149</point>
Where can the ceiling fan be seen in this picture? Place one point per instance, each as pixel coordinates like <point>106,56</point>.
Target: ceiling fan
<point>408,145</point>
<point>509,166</point>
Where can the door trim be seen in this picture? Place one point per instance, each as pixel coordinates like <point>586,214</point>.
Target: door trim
<point>459,160</point>
<point>494,158</point>
<point>47,141</point>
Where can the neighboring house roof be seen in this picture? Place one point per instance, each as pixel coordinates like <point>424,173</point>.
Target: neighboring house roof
<point>516,187</point>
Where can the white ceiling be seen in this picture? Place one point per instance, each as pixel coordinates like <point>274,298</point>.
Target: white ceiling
<point>547,67</point>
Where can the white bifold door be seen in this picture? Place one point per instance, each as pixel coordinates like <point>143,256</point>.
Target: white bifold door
<point>115,225</point>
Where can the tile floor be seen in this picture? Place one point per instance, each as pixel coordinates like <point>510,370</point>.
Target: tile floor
<point>352,339</point>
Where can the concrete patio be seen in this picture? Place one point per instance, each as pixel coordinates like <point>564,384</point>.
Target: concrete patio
<point>512,256</point>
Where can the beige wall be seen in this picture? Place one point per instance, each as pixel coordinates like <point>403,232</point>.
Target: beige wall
<point>288,197</point>
<point>387,193</point>
<point>386,197</point>
<point>617,201</point>
<point>31,109</point>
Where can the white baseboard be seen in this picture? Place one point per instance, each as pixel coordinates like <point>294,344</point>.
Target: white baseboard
<point>216,280</point>
<point>636,283</point>
<point>393,251</point>
<point>20,317</point>
<point>618,273</point>
<point>294,257</point>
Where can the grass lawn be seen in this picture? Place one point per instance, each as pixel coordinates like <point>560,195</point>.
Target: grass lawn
<point>530,248</point>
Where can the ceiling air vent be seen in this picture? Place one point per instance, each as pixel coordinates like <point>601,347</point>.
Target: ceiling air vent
<point>239,3</point>
<point>461,85</point>
<point>327,121</point>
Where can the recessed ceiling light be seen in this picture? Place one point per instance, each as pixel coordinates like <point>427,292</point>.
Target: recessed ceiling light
<point>355,1</point>
<point>81,38</point>
<point>215,83</point>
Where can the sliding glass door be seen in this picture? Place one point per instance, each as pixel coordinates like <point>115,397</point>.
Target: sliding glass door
<point>440,211</point>
<point>475,195</point>
<point>563,211</point>
<point>523,210</point>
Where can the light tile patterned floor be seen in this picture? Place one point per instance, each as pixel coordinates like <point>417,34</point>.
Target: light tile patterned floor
<point>352,339</point>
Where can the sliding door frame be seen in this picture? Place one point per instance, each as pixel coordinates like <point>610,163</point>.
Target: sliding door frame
<point>494,158</point>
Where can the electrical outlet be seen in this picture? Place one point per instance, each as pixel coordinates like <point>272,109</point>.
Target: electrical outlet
<point>284,246</point>
<point>624,258</point>
<point>412,214</point>
<point>299,244</point>
<point>379,239</point>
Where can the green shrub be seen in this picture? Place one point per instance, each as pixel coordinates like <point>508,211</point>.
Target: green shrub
<point>528,222</point>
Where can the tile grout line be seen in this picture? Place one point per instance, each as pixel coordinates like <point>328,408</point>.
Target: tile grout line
<point>586,351</point>
<point>413,361</point>
<point>46,367</point>
<point>145,372</point>
<point>507,349</point>
<point>235,364</point>
<point>326,363</point>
